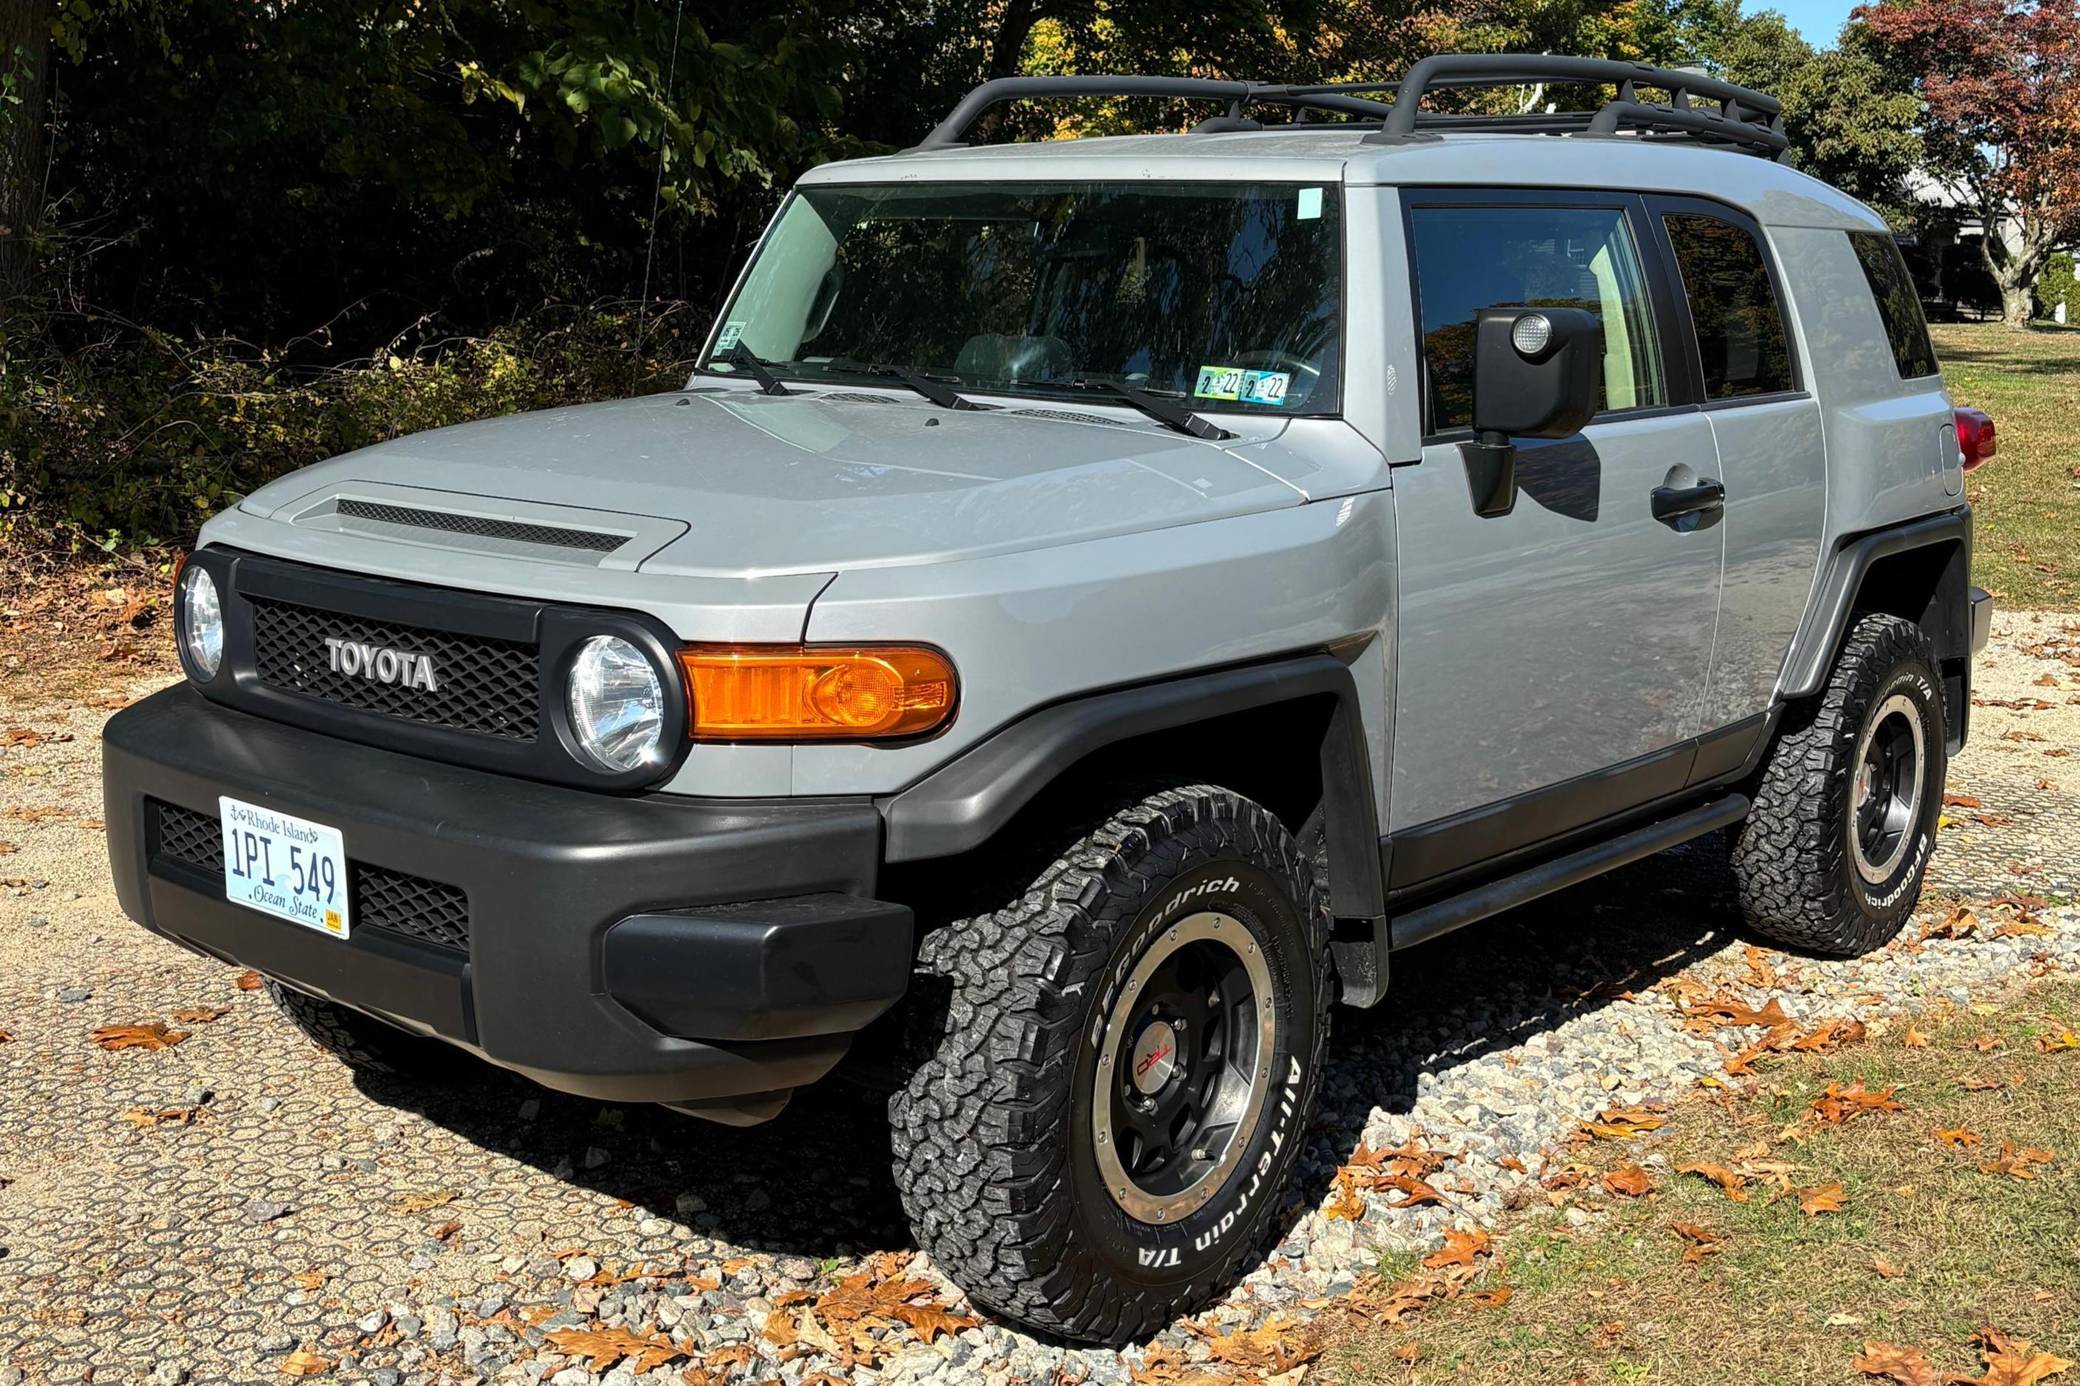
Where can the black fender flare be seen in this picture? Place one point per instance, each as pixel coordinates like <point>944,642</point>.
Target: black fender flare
<point>964,802</point>
<point>1835,597</point>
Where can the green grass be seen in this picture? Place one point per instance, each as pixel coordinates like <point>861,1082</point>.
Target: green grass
<point>2027,500</point>
<point>1791,1297</point>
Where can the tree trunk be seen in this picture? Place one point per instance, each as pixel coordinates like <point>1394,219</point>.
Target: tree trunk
<point>1014,27</point>
<point>24,58</point>
<point>2015,305</point>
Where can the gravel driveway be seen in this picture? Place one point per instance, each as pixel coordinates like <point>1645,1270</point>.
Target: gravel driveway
<point>238,1208</point>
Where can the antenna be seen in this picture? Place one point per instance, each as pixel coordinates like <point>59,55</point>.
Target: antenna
<point>671,90</point>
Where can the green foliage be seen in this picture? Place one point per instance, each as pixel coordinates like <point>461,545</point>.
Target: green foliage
<point>2056,285</point>
<point>144,436</point>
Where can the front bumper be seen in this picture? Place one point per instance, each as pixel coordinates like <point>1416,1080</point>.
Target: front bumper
<point>713,954</point>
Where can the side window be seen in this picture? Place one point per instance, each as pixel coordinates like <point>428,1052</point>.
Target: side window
<point>1898,304</point>
<point>1470,258</point>
<point>1740,335</point>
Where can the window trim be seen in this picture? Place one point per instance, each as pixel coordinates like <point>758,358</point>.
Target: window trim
<point>1659,206</point>
<point>1680,374</point>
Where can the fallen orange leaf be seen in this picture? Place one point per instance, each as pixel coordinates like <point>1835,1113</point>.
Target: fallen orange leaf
<point>1460,1249</point>
<point>602,1348</point>
<point>1886,1268</point>
<point>1902,1366</point>
<point>150,1036</point>
<point>1957,1135</point>
<point>304,1362</point>
<point>2015,1361</point>
<point>1629,1180</point>
<point>1838,1104</point>
<point>247,981</point>
<point>1823,1198</point>
<point>2017,1162</point>
<point>1702,1243</point>
<point>1734,1184</point>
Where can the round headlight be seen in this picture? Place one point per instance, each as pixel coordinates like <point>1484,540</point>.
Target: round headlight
<point>1530,333</point>
<point>202,622</point>
<point>616,703</point>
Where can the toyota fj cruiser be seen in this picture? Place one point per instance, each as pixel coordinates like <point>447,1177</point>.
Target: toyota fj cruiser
<point>1095,602</point>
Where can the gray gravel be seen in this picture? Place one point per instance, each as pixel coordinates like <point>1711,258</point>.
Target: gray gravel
<point>409,1236</point>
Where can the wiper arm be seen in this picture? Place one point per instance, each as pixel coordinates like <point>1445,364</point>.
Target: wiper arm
<point>935,391</point>
<point>1174,416</point>
<point>744,360</point>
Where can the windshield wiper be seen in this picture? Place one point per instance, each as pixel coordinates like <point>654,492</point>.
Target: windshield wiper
<point>1169,415</point>
<point>742,358</point>
<point>933,390</point>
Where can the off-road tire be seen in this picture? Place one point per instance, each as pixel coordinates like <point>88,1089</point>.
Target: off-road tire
<point>362,1042</point>
<point>993,1131</point>
<point>1795,868</point>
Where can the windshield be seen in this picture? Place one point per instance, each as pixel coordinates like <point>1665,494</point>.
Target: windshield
<point>1225,295</point>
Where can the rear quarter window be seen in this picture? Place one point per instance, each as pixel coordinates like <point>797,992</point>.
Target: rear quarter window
<point>1733,306</point>
<point>1899,306</point>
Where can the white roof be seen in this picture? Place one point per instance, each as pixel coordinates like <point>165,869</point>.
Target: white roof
<point>1771,192</point>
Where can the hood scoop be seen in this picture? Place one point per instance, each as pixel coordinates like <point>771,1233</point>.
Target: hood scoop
<point>486,525</point>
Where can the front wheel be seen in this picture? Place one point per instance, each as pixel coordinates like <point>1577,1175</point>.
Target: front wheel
<point>1100,1123</point>
<point>1832,856</point>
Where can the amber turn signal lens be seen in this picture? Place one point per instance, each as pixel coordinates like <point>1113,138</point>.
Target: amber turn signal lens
<point>811,693</point>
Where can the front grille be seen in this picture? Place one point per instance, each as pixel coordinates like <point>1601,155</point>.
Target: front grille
<point>593,541</point>
<point>429,912</point>
<point>195,838</point>
<point>411,905</point>
<point>480,685</point>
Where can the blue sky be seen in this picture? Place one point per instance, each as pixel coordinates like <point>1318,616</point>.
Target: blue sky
<point>1817,21</point>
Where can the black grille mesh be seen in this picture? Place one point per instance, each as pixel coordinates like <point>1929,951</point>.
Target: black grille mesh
<point>481,685</point>
<point>552,536</point>
<point>428,911</point>
<point>195,838</point>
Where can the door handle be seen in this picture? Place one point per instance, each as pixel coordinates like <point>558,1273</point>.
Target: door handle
<point>1674,502</point>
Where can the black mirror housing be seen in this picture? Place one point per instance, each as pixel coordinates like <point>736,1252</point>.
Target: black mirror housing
<point>1535,371</point>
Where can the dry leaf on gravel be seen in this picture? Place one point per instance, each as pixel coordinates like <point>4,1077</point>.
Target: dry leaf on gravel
<point>5,1036</point>
<point>1733,1183</point>
<point>2014,1361</point>
<point>309,1280</point>
<point>1460,1249</point>
<point>1891,1362</point>
<point>1722,1012</point>
<point>1838,1104</point>
<point>1273,1348</point>
<point>201,1015</point>
<point>1822,1198</point>
<point>150,1036</point>
<point>1960,923</point>
<point>304,1362</point>
<point>1345,1205</point>
<point>1629,1180</point>
<point>603,1348</point>
<point>1621,1123</point>
<point>2017,1162</point>
<point>143,1118</point>
<point>423,1202</point>
<point>247,981</point>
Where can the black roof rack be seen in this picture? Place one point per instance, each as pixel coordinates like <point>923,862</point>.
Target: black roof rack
<point>1736,116</point>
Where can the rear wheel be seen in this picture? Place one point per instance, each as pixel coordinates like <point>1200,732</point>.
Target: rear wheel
<point>1832,857</point>
<point>362,1042</point>
<point>1099,1125</point>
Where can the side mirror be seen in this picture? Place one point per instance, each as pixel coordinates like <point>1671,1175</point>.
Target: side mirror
<point>1535,375</point>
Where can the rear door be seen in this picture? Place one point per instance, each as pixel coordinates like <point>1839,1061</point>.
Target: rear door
<point>1551,662</point>
<point>1772,458</point>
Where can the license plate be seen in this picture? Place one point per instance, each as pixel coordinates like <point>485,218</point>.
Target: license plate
<point>287,866</point>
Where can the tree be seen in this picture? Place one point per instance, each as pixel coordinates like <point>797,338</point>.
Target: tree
<point>1851,122</point>
<point>24,57</point>
<point>2000,80</point>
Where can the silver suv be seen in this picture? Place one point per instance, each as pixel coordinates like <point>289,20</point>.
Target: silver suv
<point>1094,603</point>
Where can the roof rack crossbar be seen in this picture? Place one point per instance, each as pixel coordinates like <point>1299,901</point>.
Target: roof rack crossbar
<point>1732,115</point>
<point>955,127</point>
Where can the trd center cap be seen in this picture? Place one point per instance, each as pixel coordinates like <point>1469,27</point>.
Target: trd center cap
<point>1155,1057</point>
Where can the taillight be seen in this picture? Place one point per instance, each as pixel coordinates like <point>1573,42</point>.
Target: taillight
<point>1975,437</point>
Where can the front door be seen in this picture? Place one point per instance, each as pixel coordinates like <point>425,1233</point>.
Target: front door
<point>1551,662</point>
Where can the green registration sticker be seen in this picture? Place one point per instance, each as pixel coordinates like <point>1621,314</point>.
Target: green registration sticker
<point>1219,382</point>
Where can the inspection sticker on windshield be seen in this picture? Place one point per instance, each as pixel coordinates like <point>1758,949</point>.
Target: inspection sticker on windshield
<point>726,339</point>
<point>1249,387</point>
<point>285,865</point>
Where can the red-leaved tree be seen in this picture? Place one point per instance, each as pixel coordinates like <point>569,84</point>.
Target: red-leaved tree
<point>2001,80</point>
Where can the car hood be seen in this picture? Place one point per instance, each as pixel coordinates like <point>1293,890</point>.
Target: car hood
<point>729,482</point>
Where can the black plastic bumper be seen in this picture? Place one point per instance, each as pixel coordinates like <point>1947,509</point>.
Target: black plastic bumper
<point>712,953</point>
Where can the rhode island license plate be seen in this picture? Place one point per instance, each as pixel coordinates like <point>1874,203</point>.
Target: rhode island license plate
<point>285,865</point>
